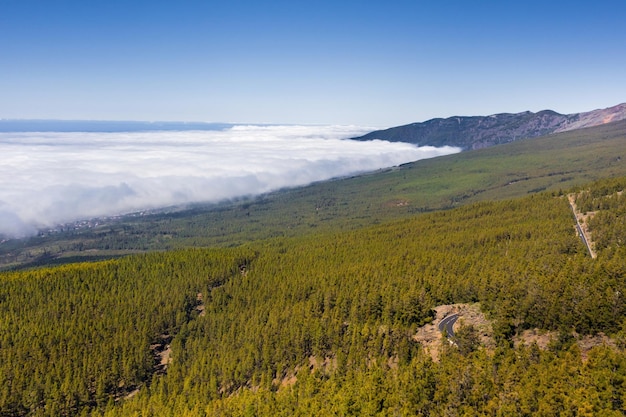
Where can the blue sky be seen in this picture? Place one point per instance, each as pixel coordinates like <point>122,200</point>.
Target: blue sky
<point>316,62</point>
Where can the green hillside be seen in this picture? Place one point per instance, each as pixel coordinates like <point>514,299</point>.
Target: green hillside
<point>507,171</point>
<point>324,323</point>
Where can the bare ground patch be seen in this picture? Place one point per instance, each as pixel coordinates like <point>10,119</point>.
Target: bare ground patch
<point>586,343</point>
<point>397,202</point>
<point>200,306</point>
<point>431,338</point>
<point>162,353</point>
<point>469,314</point>
<point>543,339</point>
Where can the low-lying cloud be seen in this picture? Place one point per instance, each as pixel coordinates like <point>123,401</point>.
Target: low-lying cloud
<point>52,178</point>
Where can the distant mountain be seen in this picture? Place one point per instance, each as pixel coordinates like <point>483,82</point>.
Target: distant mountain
<point>475,132</point>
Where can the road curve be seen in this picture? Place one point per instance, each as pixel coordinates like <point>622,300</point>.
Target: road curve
<point>447,323</point>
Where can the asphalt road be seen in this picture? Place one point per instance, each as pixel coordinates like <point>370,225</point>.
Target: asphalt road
<point>580,231</point>
<point>446,324</point>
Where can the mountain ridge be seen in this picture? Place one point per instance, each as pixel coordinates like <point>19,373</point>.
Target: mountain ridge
<point>477,132</point>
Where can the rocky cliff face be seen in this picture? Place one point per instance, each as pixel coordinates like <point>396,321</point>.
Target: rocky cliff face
<point>477,132</point>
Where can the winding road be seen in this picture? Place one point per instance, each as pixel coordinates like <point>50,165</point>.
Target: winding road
<point>447,323</point>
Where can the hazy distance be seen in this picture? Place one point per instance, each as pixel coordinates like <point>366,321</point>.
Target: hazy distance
<point>49,178</point>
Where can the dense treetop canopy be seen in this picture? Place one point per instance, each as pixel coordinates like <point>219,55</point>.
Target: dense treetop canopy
<point>324,323</point>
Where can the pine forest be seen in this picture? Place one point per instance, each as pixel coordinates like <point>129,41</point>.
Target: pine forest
<point>327,323</point>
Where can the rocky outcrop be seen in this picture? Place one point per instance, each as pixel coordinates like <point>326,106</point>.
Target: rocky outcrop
<point>596,118</point>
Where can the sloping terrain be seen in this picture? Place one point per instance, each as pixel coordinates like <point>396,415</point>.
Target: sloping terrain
<point>317,301</point>
<point>595,118</point>
<point>325,323</point>
<point>551,163</point>
<point>476,132</point>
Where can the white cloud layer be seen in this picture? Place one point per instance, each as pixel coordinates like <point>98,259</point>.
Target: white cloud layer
<point>51,178</point>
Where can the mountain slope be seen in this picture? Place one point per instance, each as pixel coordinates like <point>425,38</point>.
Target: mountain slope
<point>476,132</point>
<point>554,162</point>
<point>325,324</point>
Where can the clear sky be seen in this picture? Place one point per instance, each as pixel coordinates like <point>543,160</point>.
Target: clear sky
<point>370,63</point>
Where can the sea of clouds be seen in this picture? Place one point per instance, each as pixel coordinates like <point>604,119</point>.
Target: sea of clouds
<point>51,178</point>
